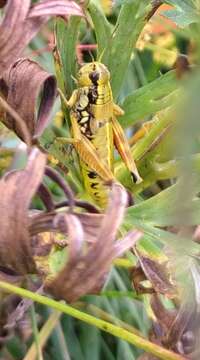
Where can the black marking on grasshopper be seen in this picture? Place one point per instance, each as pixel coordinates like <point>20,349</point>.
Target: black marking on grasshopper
<point>93,94</point>
<point>94,77</point>
<point>84,118</point>
<point>134,178</point>
<point>92,174</point>
<point>94,185</point>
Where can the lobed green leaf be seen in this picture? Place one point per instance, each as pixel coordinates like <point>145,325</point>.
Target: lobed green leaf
<point>149,99</point>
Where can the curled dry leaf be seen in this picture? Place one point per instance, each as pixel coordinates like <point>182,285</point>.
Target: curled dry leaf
<point>19,312</point>
<point>156,271</point>
<point>176,329</point>
<point>7,305</point>
<point>21,86</point>
<point>86,270</point>
<point>52,7</point>
<point>21,23</point>
<point>16,191</point>
<point>31,234</point>
<point>2,3</point>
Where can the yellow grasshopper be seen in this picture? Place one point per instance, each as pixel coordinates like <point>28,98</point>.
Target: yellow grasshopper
<point>95,130</point>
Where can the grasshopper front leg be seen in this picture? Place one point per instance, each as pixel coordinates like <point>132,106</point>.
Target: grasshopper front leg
<point>122,145</point>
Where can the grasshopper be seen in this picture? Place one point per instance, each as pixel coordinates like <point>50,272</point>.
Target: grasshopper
<point>95,130</point>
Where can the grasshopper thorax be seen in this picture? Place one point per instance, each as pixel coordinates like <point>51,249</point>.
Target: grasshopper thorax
<point>93,73</point>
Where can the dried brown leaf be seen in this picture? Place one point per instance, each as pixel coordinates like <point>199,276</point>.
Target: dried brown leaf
<point>2,3</point>
<point>18,121</point>
<point>90,223</point>
<point>24,81</point>
<point>16,191</point>
<point>92,245</point>
<point>157,272</point>
<point>87,270</point>
<point>45,222</point>
<point>21,23</point>
<point>11,32</point>
<point>176,329</point>
<point>52,7</point>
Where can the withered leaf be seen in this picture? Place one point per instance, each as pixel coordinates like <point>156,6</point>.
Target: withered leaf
<point>52,7</point>
<point>90,223</point>
<point>16,191</point>
<point>24,81</point>
<point>177,328</point>
<point>87,267</point>
<point>2,3</point>
<point>157,273</point>
<point>22,22</point>
<point>11,32</point>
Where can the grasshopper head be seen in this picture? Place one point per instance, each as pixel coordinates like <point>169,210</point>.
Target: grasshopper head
<point>93,73</point>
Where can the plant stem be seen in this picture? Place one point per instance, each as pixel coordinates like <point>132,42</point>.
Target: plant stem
<point>43,335</point>
<point>96,311</point>
<point>36,344</point>
<point>117,331</point>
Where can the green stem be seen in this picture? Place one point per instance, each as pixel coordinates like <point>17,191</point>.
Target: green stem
<point>143,146</point>
<point>94,310</point>
<point>36,343</point>
<point>125,263</point>
<point>43,336</point>
<point>117,331</point>
<point>168,170</point>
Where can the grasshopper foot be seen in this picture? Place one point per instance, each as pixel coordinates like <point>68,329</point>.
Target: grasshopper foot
<point>136,177</point>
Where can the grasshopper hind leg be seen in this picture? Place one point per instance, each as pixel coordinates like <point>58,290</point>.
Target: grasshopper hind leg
<point>122,145</point>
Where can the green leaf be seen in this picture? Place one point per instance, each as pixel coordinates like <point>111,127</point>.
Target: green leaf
<point>57,260</point>
<point>149,99</point>
<point>101,26</point>
<point>164,209</point>
<point>184,14</point>
<point>67,36</point>
<point>146,152</point>
<point>148,246</point>
<point>130,22</point>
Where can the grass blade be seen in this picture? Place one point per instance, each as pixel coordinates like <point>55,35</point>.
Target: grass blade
<point>102,27</point>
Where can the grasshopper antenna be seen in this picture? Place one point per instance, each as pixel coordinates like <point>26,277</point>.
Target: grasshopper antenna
<point>91,55</point>
<point>101,55</point>
<point>74,79</point>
